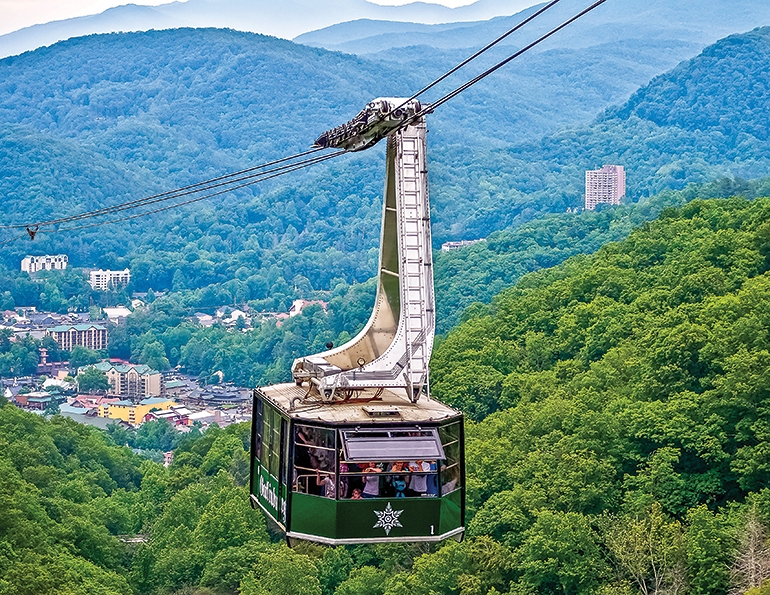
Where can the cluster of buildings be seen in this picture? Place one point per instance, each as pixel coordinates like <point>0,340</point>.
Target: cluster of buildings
<point>99,279</point>
<point>233,318</point>
<point>449,246</point>
<point>68,330</point>
<point>137,394</point>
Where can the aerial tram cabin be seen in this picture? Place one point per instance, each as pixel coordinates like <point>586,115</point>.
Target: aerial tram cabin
<point>354,450</point>
<point>339,473</point>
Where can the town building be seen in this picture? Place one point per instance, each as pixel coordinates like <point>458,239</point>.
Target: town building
<point>67,336</point>
<point>449,246</point>
<point>176,416</point>
<point>136,381</point>
<point>91,403</point>
<point>134,413</point>
<point>117,315</point>
<point>298,305</point>
<point>605,186</point>
<point>39,400</point>
<point>34,264</point>
<point>106,279</point>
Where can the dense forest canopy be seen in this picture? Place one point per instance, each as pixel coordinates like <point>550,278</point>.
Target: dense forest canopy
<point>163,335</point>
<point>619,448</point>
<point>98,120</point>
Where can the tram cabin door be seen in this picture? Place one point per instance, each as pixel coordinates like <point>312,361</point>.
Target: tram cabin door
<point>269,464</point>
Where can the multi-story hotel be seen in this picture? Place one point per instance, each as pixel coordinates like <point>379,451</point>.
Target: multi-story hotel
<point>105,280</point>
<point>67,336</point>
<point>33,264</point>
<point>135,381</point>
<point>605,186</point>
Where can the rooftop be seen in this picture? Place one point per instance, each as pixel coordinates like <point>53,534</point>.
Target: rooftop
<point>424,410</point>
<point>99,422</point>
<point>124,368</point>
<point>63,328</point>
<point>154,401</point>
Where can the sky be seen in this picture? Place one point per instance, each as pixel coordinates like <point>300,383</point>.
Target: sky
<point>15,14</point>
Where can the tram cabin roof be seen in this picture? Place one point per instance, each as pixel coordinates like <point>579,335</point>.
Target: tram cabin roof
<point>393,405</point>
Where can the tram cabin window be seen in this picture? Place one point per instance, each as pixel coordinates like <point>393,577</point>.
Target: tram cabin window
<point>396,463</point>
<point>451,476</point>
<point>314,461</point>
<point>269,454</point>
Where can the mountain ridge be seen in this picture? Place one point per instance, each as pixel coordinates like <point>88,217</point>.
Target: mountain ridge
<point>159,110</point>
<point>615,21</point>
<point>286,19</point>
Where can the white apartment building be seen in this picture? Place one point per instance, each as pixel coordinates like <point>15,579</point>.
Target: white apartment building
<point>33,264</point>
<point>105,280</point>
<point>605,186</point>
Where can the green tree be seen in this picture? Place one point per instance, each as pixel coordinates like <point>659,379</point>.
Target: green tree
<point>157,434</point>
<point>709,543</point>
<point>154,355</point>
<point>648,551</point>
<point>91,380</point>
<point>366,580</point>
<point>120,435</point>
<point>282,572</point>
<point>333,568</point>
<point>83,356</point>
<point>560,554</point>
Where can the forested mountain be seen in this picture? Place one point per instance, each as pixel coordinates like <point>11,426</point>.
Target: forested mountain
<point>700,138</point>
<point>621,401</point>
<point>283,19</point>
<point>616,22</point>
<point>629,381</point>
<point>481,271</point>
<point>99,120</point>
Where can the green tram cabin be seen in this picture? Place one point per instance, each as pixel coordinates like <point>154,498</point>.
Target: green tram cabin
<point>376,469</point>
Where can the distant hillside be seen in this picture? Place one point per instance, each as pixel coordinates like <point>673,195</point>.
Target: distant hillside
<point>616,21</point>
<point>473,276</point>
<point>99,120</point>
<point>703,120</point>
<point>286,19</point>
<point>95,121</point>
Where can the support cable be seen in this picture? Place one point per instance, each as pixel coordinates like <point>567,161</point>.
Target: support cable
<point>469,59</point>
<point>224,180</point>
<point>284,170</point>
<point>428,109</point>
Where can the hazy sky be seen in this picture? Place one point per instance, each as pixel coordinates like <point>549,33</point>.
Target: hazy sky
<point>15,14</point>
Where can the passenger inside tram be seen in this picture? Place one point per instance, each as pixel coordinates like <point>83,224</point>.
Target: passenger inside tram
<point>317,471</point>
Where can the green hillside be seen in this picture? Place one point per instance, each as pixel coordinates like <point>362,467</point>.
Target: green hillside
<point>620,448</point>
<point>632,380</point>
<point>98,120</point>
<point>479,272</point>
<point>714,125</point>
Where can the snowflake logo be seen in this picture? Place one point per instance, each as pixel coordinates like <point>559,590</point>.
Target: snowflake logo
<point>387,519</point>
